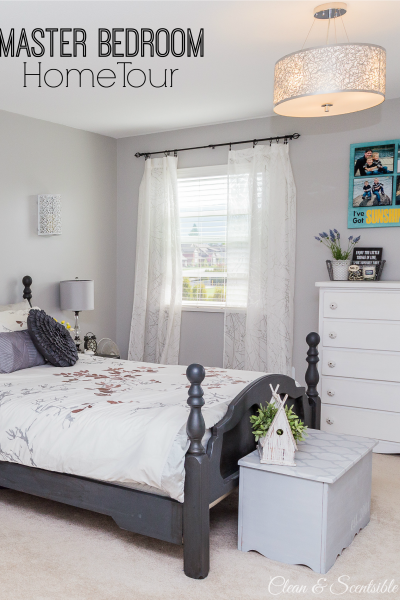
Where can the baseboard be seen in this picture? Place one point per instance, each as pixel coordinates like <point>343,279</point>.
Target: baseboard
<point>384,447</point>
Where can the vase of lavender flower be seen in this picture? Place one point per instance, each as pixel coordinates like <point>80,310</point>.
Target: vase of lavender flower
<point>340,269</point>
<point>340,257</point>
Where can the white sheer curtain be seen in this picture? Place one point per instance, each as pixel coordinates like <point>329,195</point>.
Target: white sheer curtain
<point>156,318</point>
<point>261,235</point>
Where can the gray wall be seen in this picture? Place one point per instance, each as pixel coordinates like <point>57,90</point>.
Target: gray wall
<point>320,160</point>
<point>38,157</point>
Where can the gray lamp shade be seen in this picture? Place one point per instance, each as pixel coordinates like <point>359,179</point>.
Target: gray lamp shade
<point>77,294</point>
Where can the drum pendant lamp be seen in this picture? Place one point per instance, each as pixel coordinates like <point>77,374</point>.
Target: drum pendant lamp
<point>330,80</point>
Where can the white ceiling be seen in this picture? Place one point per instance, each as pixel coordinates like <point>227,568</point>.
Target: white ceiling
<point>234,80</point>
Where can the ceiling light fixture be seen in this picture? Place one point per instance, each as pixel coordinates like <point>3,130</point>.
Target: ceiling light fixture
<point>330,80</point>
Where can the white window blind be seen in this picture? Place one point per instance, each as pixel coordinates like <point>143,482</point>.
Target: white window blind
<point>203,204</point>
<point>202,194</point>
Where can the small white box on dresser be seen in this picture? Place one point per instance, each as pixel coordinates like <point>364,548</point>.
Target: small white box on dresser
<point>359,325</point>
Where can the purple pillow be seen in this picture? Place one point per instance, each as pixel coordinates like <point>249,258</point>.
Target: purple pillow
<point>17,351</point>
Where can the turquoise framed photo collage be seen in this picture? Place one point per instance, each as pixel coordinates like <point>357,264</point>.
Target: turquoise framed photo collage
<point>374,186</point>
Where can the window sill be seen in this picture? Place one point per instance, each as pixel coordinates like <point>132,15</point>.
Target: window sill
<point>215,309</point>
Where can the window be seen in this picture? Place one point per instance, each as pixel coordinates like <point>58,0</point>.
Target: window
<point>202,196</point>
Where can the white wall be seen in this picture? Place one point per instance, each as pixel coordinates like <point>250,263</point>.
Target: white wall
<point>38,157</point>
<point>320,160</point>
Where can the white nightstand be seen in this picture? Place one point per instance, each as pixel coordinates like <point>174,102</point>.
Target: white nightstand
<point>309,513</point>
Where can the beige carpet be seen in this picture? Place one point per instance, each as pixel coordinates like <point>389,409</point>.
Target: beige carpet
<point>49,551</point>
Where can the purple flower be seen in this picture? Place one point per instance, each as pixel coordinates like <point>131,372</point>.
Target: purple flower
<point>338,235</point>
<point>336,231</point>
<point>350,238</point>
<point>324,235</point>
<point>317,238</point>
<point>357,239</point>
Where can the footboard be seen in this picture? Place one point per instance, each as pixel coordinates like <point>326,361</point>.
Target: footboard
<point>212,473</point>
<point>232,438</point>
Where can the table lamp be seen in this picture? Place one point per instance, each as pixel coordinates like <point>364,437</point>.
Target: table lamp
<point>76,295</point>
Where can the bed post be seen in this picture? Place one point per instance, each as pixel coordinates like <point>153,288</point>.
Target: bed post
<point>196,512</point>
<point>312,379</point>
<point>27,294</point>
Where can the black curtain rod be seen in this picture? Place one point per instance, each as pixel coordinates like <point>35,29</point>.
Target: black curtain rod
<point>286,138</point>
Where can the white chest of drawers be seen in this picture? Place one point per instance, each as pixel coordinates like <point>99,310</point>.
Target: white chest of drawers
<point>359,325</point>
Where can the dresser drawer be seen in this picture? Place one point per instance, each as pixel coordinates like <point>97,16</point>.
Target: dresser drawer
<point>361,393</point>
<point>361,364</point>
<point>367,335</point>
<point>362,422</point>
<point>362,305</point>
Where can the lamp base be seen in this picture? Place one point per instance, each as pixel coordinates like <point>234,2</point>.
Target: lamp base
<point>77,338</point>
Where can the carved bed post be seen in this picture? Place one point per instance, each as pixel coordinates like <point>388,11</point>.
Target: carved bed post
<point>196,513</point>
<point>27,294</point>
<point>312,379</point>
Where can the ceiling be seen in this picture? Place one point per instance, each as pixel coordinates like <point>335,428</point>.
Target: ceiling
<point>233,81</point>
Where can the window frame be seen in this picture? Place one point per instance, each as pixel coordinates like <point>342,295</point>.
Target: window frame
<point>188,173</point>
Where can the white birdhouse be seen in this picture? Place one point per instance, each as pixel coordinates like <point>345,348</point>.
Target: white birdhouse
<point>278,446</point>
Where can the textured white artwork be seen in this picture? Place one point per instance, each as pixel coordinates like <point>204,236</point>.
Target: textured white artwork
<point>278,446</point>
<point>49,214</point>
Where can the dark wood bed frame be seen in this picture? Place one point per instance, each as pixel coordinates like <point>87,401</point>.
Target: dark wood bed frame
<point>210,474</point>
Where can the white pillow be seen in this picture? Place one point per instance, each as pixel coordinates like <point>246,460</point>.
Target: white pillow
<point>14,320</point>
<point>18,306</point>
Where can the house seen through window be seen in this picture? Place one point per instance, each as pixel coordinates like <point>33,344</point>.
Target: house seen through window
<point>202,196</point>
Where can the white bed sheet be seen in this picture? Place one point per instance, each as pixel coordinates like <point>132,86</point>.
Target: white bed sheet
<point>110,420</point>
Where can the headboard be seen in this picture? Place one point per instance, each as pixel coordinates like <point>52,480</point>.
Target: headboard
<point>27,294</point>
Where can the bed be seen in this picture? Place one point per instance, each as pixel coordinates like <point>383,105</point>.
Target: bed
<point>133,441</point>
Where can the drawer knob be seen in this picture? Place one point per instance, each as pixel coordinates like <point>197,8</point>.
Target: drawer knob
<point>332,335</point>
<point>329,421</point>
<point>333,305</point>
<point>330,393</point>
<point>331,364</point>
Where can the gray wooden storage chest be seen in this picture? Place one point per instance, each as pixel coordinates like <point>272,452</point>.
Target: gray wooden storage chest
<point>309,513</point>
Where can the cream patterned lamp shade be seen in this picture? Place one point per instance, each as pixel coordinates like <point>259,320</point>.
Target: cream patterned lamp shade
<point>49,214</point>
<point>330,80</point>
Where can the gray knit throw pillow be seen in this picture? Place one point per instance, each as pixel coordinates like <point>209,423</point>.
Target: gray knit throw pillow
<point>17,351</point>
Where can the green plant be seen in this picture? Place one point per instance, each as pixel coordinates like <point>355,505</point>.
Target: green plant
<point>186,289</point>
<point>261,422</point>
<point>194,230</point>
<point>199,292</point>
<point>219,294</point>
<point>332,241</point>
